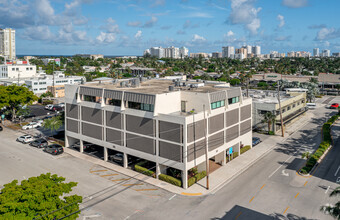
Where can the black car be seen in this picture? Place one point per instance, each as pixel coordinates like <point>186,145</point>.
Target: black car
<point>54,149</point>
<point>39,143</point>
<point>57,108</point>
<point>1,128</point>
<point>256,141</point>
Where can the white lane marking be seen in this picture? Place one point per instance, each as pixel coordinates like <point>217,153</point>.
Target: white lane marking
<point>279,167</point>
<point>91,216</point>
<point>336,173</point>
<point>172,197</point>
<point>284,173</point>
<point>132,214</point>
<point>327,189</point>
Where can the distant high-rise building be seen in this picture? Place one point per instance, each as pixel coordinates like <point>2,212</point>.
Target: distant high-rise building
<point>326,53</point>
<point>183,52</point>
<point>256,50</point>
<point>228,51</point>
<point>7,43</point>
<point>243,51</point>
<point>216,55</point>
<point>316,52</point>
<point>170,52</point>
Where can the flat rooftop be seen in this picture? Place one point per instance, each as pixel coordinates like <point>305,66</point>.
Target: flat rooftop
<point>159,86</point>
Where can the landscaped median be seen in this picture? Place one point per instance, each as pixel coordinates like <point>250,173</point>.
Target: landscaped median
<point>323,147</point>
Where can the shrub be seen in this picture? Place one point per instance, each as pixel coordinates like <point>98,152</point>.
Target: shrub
<point>235,154</point>
<point>143,170</point>
<point>271,133</point>
<point>191,181</point>
<point>170,179</point>
<point>244,149</point>
<point>47,102</point>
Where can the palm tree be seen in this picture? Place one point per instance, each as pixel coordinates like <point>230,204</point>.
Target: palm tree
<point>331,210</point>
<point>269,118</point>
<point>53,124</point>
<point>306,155</point>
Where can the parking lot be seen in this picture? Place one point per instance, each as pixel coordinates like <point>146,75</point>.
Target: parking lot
<point>101,187</point>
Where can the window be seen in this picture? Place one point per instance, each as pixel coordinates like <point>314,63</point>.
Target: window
<point>88,98</point>
<point>114,102</point>
<point>283,110</point>
<point>141,106</point>
<point>293,106</point>
<point>35,83</point>
<point>183,106</point>
<point>217,104</point>
<point>233,100</point>
<point>288,108</point>
<point>31,68</point>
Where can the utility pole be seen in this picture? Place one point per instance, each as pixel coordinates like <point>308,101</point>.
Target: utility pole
<point>278,98</point>
<point>206,148</point>
<point>53,76</point>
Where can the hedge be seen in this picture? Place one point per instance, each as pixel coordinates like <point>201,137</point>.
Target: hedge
<point>139,168</point>
<point>235,154</point>
<point>324,145</point>
<point>170,179</point>
<point>244,149</point>
<point>196,178</point>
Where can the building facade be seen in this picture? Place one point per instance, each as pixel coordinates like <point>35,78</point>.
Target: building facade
<point>11,71</point>
<point>57,91</point>
<point>228,51</point>
<point>168,123</point>
<point>7,43</point>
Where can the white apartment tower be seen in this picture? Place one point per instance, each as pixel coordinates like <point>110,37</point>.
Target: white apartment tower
<point>316,52</point>
<point>183,52</point>
<point>228,51</point>
<point>256,50</point>
<point>7,43</point>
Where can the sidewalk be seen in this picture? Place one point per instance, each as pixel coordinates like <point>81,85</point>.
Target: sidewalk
<point>218,178</point>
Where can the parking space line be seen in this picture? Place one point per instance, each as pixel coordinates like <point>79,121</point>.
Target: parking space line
<point>114,174</point>
<point>238,215</point>
<point>133,184</point>
<point>145,190</point>
<point>286,210</point>
<point>95,171</point>
<point>305,183</point>
<point>120,179</point>
<point>263,186</point>
<point>251,199</point>
<point>296,195</point>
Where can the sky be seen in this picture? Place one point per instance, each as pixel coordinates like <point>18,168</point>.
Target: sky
<point>128,27</point>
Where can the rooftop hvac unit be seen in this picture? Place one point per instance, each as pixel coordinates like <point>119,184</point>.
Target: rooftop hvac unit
<point>171,88</point>
<point>177,84</point>
<point>123,84</point>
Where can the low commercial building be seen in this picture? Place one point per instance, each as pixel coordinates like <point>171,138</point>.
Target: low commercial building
<point>170,123</point>
<point>57,91</point>
<point>271,78</point>
<point>293,104</point>
<point>329,84</point>
<point>19,70</point>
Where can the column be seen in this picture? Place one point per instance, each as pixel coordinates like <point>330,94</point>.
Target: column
<point>105,154</point>
<point>158,170</point>
<point>125,160</point>
<point>81,148</point>
<point>185,179</point>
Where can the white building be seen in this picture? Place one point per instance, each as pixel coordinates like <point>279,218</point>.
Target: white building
<point>19,70</point>
<point>170,52</point>
<point>39,84</point>
<point>316,52</point>
<point>183,52</point>
<point>326,53</point>
<point>228,51</point>
<point>256,50</point>
<point>7,43</point>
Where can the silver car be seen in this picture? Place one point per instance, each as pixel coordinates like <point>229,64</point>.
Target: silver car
<point>25,139</point>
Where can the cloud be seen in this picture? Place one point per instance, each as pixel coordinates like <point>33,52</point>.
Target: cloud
<point>106,37</point>
<point>198,15</point>
<point>328,34</point>
<point>150,23</point>
<point>295,3</point>
<point>111,26</point>
<point>229,34</point>
<point>281,20</point>
<point>317,26</point>
<point>45,11</point>
<point>198,39</point>
<point>283,38</point>
<point>180,32</point>
<point>158,3</point>
<point>243,12</point>
<point>38,33</point>
<point>138,35</point>
<point>134,23</point>
<point>16,14</point>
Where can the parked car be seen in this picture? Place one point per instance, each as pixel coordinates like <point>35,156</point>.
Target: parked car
<point>39,143</point>
<point>48,107</point>
<point>85,146</point>
<point>38,120</point>
<point>61,105</point>
<point>31,125</point>
<point>54,149</point>
<point>47,117</point>
<point>1,128</point>
<point>256,141</point>
<point>25,139</point>
<point>118,158</point>
<point>334,106</point>
<point>57,108</point>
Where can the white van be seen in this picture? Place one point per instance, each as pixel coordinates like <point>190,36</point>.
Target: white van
<point>311,105</point>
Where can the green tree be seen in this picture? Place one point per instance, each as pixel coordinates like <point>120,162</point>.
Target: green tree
<point>269,118</point>
<point>53,124</point>
<point>14,96</point>
<point>331,210</point>
<point>306,155</point>
<point>235,81</point>
<point>41,197</point>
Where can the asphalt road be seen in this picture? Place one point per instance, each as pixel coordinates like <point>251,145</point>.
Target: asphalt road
<point>270,189</point>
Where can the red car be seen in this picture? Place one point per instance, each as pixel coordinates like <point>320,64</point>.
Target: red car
<point>334,105</point>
